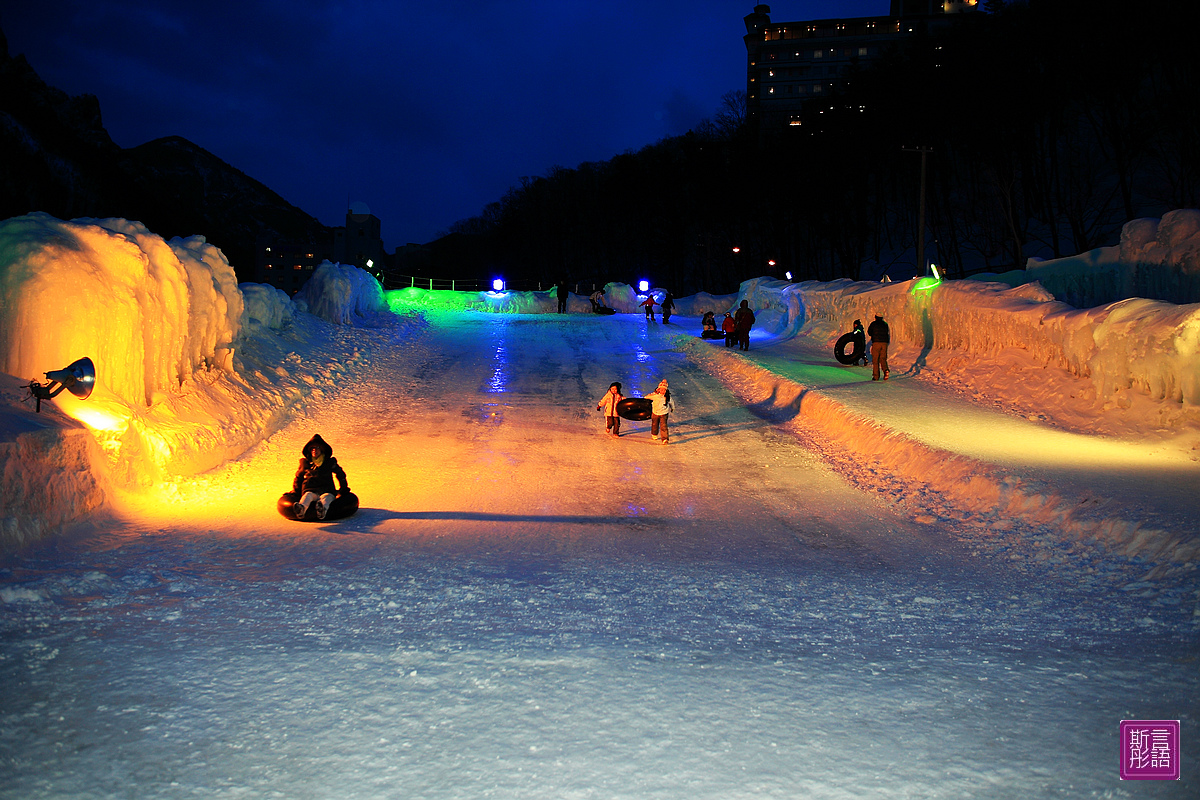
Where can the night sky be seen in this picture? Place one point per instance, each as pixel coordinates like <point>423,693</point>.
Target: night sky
<point>425,111</point>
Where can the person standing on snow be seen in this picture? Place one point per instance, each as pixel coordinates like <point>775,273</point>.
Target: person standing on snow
<point>668,306</point>
<point>649,304</point>
<point>730,328</point>
<point>744,319</point>
<point>608,404</point>
<point>881,337</point>
<point>562,297</point>
<point>314,478</point>
<point>660,407</point>
<point>860,341</point>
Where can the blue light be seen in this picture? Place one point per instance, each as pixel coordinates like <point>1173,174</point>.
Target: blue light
<point>498,285</point>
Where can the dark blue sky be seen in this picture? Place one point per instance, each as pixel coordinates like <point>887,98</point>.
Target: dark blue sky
<point>425,111</point>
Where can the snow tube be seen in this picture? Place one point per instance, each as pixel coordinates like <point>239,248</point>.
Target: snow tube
<point>343,506</point>
<point>634,408</point>
<point>604,310</point>
<point>855,355</point>
<point>712,335</point>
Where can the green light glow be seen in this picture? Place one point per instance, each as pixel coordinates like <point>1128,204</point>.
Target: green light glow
<point>400,300</point>
<point>925,284</point>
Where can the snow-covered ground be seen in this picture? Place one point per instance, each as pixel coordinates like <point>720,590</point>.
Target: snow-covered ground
<point>811,592</point>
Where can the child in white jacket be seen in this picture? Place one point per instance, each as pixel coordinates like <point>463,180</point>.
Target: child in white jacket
<point>660,407</point>
<point>608,404</point>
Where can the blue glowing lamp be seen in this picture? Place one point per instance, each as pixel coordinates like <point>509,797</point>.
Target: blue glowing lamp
<point>643,286</point>
<point>498,285</point>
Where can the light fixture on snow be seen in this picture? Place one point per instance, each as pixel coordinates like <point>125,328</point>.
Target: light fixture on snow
<point>643,286</point>
<point>936,272</point>
<point>498,285</point>
<point>78,378</point>
<point>787,275</point>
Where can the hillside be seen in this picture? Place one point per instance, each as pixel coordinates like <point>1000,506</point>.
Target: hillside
<point>56,157</point>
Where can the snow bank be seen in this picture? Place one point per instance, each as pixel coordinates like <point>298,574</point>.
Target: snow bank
<point>1142,345</point>
<point>341,294</point>
<point>1156,259</point>
<point>265,307</point>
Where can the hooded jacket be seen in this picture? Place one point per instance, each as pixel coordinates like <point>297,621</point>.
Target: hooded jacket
<point>317,475</point>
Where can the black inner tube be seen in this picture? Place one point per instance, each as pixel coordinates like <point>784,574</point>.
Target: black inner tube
<point>860,348</point>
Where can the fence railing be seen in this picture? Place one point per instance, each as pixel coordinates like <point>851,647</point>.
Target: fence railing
<point>391,281</point>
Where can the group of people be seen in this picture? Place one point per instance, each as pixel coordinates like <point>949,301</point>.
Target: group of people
<point>667,306</point>
<point>735,326</point>
<point>660,408</point>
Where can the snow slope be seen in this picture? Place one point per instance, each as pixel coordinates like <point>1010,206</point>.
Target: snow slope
<point>194,370</point>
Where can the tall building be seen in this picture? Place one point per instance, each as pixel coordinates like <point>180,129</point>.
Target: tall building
<point>359,242</point>
<point>287,265</point>
<point>791,63</point>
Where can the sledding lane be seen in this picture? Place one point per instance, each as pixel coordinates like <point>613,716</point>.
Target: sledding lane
<point>525,607</point>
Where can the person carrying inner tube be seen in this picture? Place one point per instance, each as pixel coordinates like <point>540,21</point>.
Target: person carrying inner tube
<point>860,342</point>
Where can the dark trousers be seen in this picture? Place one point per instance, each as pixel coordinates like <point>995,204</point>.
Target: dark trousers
<point>655,422</point>
<point>612,424</point>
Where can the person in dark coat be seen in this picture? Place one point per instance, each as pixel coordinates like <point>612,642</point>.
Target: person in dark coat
<point>562,298</point>
<point>668,307</point>
<point>881,337</point>
<point>744,318</point>
<point>860,341</point>
<point>314,481</point>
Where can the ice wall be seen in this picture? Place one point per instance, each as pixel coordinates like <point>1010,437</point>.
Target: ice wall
<point>190,367</point>
<point>1155,259</point>
<point>1144,345</point>
<point>151,314</point>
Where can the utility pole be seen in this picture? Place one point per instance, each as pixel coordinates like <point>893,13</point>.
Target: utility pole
<point>921,213</point>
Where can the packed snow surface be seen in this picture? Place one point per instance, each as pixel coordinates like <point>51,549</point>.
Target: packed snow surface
<point>812,591</point>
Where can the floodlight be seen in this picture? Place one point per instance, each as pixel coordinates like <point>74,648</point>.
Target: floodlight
<point>787,275</point>
<point>498,285</point>
<point>78,378</point>
<point>643,286</point>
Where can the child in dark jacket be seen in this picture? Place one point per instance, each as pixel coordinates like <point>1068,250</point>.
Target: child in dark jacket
<point>314,481</point>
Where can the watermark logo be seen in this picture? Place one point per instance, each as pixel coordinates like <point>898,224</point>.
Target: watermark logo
<point>1149,749</point>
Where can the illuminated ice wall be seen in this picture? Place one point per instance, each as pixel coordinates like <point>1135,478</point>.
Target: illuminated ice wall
<point>151,314</point>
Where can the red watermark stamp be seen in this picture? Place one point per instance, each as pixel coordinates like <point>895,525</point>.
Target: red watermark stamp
<point>1149,749</point>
